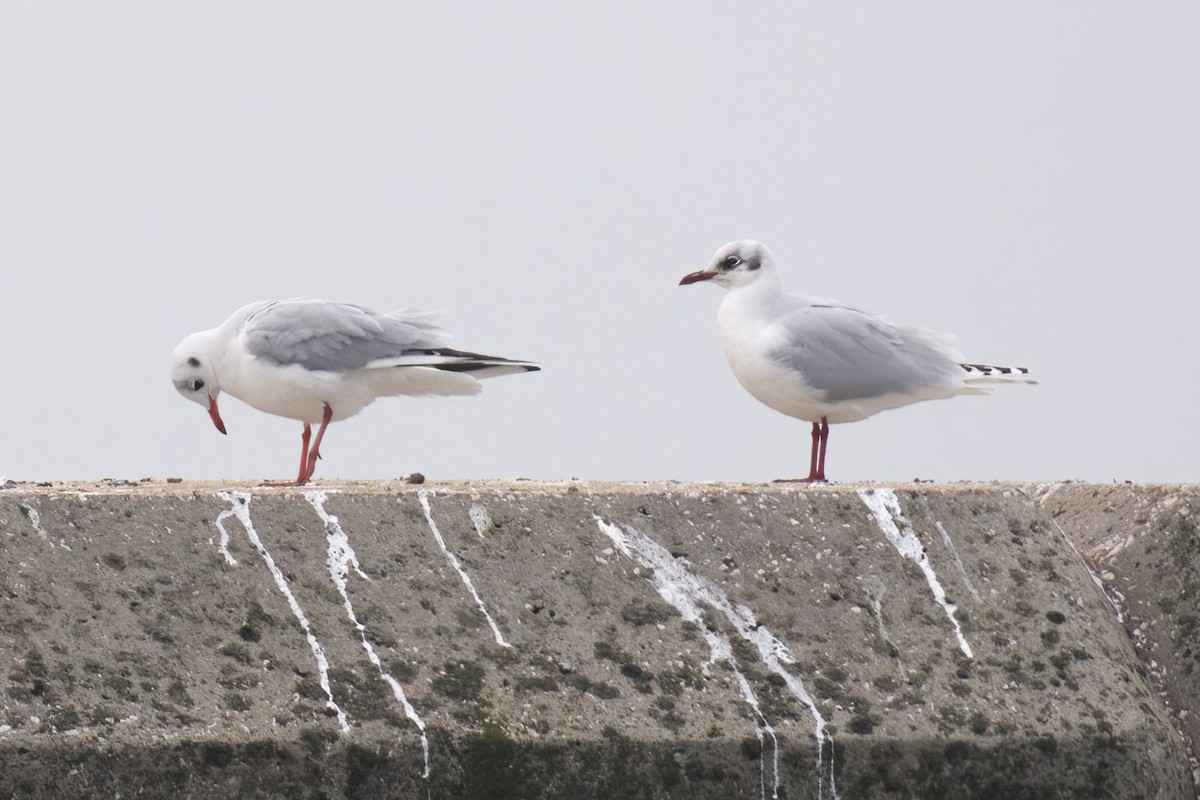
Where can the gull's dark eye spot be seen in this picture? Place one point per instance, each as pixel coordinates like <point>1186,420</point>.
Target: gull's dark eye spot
<point>193,362</point>
<point>730,262</point>
<point>753,265</point>
<point>197,385</point>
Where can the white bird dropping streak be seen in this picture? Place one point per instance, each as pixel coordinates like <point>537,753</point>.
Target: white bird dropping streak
<point>341,558</point>
<point>687,592</point>
<point>35,519</point>
<point>958,561</point>
<point>1042,494</point>
<point>239,503</point>
<point>423,496</point>
<point>1096,579</point>
<point>223,544</point>
<point>481,518</point>
<point>885,508</point>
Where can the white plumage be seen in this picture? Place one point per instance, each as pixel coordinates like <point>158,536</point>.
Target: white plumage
<point>817,360</point>
<point>318,361</point>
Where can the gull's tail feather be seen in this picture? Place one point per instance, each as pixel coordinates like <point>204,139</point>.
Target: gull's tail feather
<point>446,359</point>
<point>987,373</point>
<point>481,366</point>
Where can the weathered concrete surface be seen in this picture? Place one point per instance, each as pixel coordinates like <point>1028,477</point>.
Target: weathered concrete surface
<point>1145,543</point>
<point>596,641</point>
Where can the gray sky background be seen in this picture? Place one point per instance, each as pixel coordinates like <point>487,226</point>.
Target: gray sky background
<point>1025,174</point>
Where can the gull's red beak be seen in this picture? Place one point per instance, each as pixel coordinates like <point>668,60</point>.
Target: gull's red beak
<point>697,276</point>
<point>215,414</point>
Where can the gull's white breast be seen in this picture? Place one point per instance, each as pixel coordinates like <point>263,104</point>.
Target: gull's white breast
<point>749,337</point>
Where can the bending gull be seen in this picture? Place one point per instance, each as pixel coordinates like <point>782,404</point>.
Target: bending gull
<point>318,362</point>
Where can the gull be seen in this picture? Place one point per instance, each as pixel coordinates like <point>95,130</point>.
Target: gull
<point>822,362</point>
<point>318,362</point>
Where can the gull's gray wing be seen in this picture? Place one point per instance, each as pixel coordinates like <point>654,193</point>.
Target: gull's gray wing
<point>337,337</point>
<point>852,355</point>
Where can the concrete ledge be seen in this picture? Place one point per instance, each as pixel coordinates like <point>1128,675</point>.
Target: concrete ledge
<point>592,640</point>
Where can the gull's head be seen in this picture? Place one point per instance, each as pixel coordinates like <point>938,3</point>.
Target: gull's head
<point>193,374</point>
<point>736,264</point>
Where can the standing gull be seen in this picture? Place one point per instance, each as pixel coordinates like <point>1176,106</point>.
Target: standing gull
<point>318,362</point>
<point>817,360</point>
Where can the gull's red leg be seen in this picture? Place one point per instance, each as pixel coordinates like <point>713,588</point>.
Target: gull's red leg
<point>816,449</point>
<point>315,452</point>
<point>304,437</point>
<point>300,479</point>
<point>820,460</point>
<point>816,461</point>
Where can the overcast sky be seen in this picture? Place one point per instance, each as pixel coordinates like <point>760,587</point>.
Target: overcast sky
<point>1023,174</point>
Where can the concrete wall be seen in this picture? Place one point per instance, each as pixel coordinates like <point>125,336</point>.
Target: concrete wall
<point>594,641</point>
